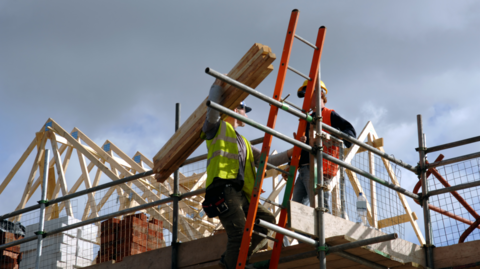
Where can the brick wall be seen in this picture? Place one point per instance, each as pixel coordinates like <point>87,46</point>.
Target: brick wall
<point>10,257</point>
<point>132,235</point>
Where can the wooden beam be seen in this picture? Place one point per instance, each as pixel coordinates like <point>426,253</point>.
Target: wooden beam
<point>251,70</point>
<point>373,186</point>
<point>86,179</point>
<point>40,143</point>
<point>376,143</point>
<point>78,182</point>
<point>60,172</point>
<point>53,211</point>
<point>18,165</point>
<point>58,129</point>
<point>395,220</point>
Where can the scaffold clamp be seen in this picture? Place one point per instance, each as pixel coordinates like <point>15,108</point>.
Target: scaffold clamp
<point>45,202</point>
<point>42,233</point>
<point>323,248</point>
<point>317,148</point>
<point>323,209</point>
<point>177,195</point>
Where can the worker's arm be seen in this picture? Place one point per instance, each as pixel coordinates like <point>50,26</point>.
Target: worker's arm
<point>279,158</point>
<point>343,125</point>
<point>212,122</point>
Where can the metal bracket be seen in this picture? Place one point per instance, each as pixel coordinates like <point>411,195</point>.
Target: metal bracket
<point>316,118</point>
<point>324,209</point>
<point>323,248</point>
<point>316,148</point>
<point>42,233</point>
<point>324,187</point>
<point>177,195</point>
<point>324,135</point>
<point>45,202</point>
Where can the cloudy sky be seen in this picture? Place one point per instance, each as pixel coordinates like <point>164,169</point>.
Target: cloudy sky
<point>115,69</point>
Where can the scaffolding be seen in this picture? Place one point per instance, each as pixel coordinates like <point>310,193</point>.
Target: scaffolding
<point>175,202</point>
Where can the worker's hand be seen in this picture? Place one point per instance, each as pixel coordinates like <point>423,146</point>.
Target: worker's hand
<point>302,139</point>
<point>284,176</point>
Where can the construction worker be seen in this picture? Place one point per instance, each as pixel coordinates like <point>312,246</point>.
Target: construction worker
<point>231,176</point>
<point>302,191</point>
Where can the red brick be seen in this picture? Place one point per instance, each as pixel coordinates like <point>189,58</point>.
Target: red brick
<point>140,216</point>
<point>132,246</point>
<point>152,233</point>
<point>109,225</point>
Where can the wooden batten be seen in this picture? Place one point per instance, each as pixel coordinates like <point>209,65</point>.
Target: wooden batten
<point>396,220</point>
<point>251,70</point>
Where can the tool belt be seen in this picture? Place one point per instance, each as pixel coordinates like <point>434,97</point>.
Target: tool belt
<point>214,204</point>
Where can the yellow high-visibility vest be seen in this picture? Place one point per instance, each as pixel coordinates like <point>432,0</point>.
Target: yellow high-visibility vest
<point>222,159</point>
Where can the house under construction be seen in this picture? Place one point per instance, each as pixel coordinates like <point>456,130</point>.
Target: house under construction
<point>139,220</point>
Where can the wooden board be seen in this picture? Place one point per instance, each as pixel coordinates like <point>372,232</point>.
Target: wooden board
<point>251,70</point>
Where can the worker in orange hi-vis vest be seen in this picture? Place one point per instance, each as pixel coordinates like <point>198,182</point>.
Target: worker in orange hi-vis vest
<point>302,191</point>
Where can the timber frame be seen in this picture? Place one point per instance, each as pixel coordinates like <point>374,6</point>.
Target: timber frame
<point>110,160</point>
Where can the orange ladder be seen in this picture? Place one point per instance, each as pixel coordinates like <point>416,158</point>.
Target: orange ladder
<point>255,198</point>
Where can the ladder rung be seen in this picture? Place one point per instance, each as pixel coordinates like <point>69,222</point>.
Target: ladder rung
<point>292,104</point>
<point>264,235</point>
<point>271,166</point>
<point>298,73</point>
<point>271,202</point>
<point>305,41</point>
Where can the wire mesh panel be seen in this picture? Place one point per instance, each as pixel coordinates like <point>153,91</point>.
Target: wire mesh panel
<point>58,250</point>
<point>446,230</point>
<point>193,177</point>
<point>385,209</point>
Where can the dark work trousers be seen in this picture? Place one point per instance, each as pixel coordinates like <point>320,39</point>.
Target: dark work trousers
<point>234,223</point>
<point>302,192</point>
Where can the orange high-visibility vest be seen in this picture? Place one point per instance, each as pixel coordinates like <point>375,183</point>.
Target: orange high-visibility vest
<point>329,168</point>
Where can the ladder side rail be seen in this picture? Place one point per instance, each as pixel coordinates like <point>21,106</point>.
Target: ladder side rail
<point>314,68</point>
<point>267,141</point>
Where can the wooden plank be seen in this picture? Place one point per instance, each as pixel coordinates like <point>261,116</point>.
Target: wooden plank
<point>395,220</point>
<point>373,186</point>
<point>457,256</point>
<point>250,70</point>
<point>18,165</point>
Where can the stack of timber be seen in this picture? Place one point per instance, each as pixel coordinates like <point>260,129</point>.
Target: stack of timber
<point>10,257</point>
<point>251,70</point>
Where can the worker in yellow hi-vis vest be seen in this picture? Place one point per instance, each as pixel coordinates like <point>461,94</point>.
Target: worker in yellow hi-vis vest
<point>231,175</point>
